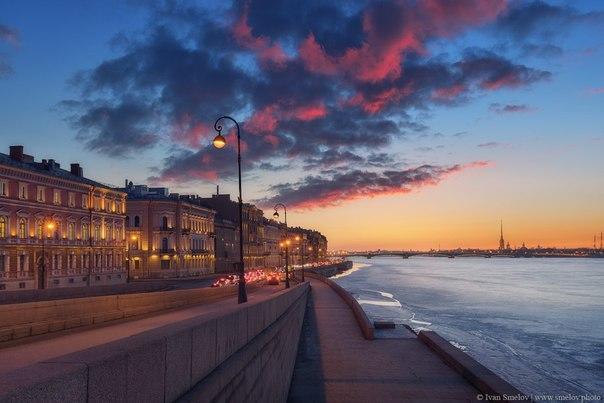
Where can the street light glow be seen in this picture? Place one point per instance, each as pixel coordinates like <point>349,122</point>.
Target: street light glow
<point>219,141</point>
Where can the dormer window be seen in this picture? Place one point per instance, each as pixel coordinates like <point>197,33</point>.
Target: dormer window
<point>41,193</point>
<point>56,199</point>
<point>4,188</point>
<point>23,191</point>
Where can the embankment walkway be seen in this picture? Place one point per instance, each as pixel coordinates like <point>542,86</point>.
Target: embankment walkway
<point>41,348</point>
<point>336,363</point>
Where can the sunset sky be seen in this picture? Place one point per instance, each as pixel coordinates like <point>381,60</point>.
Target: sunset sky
<point>395,124</point>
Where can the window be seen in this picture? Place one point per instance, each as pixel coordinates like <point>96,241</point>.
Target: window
<point>165,264</point>
<point>56,199</point>
<point>40,229</point>
<point>127,221</point>
<point>164,222</point>
<point>85,201</point>
<point>4,188</point>
<point>3,226</point>
<point>23,191</point>
<point>71,199</point>
<point>40,196</point>
<point>2,263</point>
<point>164,244</point>
<point>97,232</point>
<point>71,231</point>
<point>85,232</point>
<point>137,221</point>
<point>22,228</point>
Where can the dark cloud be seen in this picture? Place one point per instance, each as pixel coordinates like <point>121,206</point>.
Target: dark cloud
<point>117,129</point>
<point>326,83</point>
<point>526,18</point>
<point>9,35</point>
<point>510,108</point>
<point>329,190</point>
<point>490,144</point>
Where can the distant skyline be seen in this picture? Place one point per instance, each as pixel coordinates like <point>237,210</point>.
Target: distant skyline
<point>394,125</point>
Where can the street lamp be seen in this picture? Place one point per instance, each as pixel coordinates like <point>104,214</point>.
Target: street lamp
<point>133,238</point>
<point>287,241</point>
<point>220,142</point>
<point>42,274</point>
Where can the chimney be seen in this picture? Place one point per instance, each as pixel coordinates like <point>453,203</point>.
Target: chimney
<point>77,170</point>
<point>217,189</point>
<point>126,183</point>
<point>16,153</point>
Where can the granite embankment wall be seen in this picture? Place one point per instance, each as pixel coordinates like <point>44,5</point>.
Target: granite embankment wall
<point>331,269</point>
<point>34,318</point>
<point>242,353</point>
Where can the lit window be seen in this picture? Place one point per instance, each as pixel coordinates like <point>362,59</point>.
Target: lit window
<point>84,201</point>
<point>3,227</point>
<point>41,194</point>
<point>71,231</point>
<point>71,199</point>
<point>23,191</point>
<point>56,197</point>
<point>22,228</point>
<point>85,231</point>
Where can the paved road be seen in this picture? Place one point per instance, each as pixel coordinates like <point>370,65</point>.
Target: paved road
<point>336,364</point>
<point>40,348</point>
<point>15,297</point>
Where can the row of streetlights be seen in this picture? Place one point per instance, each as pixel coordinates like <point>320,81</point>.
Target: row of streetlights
<point>219,142</point>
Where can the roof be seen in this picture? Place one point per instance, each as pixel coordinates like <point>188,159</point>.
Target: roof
<point>56,172</point>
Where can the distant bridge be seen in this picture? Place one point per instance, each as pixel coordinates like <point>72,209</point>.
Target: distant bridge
<point>407,255</point>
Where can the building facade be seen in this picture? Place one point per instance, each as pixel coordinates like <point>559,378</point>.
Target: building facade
<point>168,235</point>
<point>274,234</point>
<point>57,228</point>
<point>253,229</point>
<point>226,246</point>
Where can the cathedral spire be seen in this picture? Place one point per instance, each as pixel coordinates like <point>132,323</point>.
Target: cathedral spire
<point>501,240</point>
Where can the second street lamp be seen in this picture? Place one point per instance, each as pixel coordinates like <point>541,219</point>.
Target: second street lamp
<point>287,241</point>
<point>46,225</point>
<point>220,142</point>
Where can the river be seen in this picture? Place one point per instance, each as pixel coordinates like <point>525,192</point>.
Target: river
<point>538,323</point>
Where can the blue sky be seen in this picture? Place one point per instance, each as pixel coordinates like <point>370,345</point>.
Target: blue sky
<point>545,155</point>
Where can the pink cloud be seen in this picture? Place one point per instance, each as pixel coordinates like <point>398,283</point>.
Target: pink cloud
<point>380,56</point>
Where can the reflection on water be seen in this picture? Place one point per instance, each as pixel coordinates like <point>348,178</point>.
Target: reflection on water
<point>539,323</point>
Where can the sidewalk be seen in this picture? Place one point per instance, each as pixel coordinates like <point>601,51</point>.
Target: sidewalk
<point>336,364</point>
<point>57,344</point>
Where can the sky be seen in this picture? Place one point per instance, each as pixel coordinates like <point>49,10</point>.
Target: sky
<point>382,124</point>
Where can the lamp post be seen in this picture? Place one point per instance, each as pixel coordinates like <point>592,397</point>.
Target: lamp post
<point>220,142</point>
<point>134,238</point>
<point>287,241</point>
<point>42,274</point>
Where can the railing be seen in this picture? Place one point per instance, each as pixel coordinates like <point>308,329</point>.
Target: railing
<point>20,275</point>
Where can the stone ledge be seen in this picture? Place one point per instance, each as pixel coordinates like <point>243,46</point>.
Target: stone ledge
<point>477,374</point>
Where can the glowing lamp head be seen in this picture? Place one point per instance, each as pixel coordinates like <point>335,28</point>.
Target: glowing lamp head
<point>134,237</point>
<point>281,244</point>
<point>50,226</point>
<point>288,242</point>
<point>219,141</point>
<point>297,238</point>
<point>276,215</point>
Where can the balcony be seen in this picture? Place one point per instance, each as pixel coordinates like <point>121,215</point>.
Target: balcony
<point>16,275</point>
<point>164,229</point>
<point>167,251</point>
<point>200,251</point>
